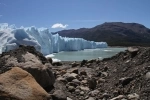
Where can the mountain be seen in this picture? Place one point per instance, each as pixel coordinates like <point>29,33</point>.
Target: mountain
<point>114,33</point>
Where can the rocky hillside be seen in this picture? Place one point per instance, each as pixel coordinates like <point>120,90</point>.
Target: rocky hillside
<point>114,33</point>
<point>125,76</point>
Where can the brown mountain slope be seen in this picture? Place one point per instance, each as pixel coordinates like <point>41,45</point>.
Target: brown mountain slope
<point>114,33</point>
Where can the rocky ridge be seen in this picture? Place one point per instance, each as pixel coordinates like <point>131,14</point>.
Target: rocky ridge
<point>125,76</point>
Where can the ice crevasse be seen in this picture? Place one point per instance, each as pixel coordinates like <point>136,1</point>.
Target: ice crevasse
<point>42,39</point>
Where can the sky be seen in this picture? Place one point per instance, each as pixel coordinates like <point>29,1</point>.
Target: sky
<point>73,14</point>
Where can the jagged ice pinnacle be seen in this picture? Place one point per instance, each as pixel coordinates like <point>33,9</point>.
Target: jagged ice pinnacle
<point>41,38</point>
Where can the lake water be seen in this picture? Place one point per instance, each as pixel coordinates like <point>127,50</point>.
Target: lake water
<point>88,54</point>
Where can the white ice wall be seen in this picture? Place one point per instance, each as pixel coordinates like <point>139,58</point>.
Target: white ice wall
<point>11,37</point>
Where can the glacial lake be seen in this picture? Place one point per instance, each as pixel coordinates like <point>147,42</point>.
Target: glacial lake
<point>88,54</point>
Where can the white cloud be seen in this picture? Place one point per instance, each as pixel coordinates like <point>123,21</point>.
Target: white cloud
<point>59,25</point>
<point>1,15</point>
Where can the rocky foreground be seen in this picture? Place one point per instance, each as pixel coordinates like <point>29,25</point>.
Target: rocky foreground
<point>26,74</point>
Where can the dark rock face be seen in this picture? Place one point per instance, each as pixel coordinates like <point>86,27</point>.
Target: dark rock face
<point>114,33</point>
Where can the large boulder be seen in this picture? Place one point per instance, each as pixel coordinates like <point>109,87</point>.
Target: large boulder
<point>27,58</point>
<point>18,84</point>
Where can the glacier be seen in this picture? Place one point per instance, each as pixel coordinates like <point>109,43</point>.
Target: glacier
<point>42,39</point>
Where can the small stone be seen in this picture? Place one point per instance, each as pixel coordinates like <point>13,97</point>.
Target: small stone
<point>86,97</point>
<point>62,79</point>
<point>73,84</point>
<point>101,80</point>
<point>126,80</point>
<point>106,95</point>
<point>133,96</point>
<point>69,98</point>
<point>90,98</point>
<point>133,51</point>
<point>74,64</point>
<point>83,73</point>
<point>76,81</point>
<point>104,74</point>
<point>84,88</point>
<point>84,81</point>
<point>148,68</point>
<point>105,68</point>
<point>77,90</point>
<point>148,75</point>
<point>94,93</point>
<point>73,70</point>
<point>69,77</point>
<point>71,88</point>
<point>83,62</point>
<point>88,64</point>
<point>92,83</point>
<point>81,93</point>
<point>62,72</point>
<point>59,95</point>
<point>120,97</point>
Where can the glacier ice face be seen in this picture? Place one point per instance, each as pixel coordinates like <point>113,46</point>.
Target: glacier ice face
<point>41,38</point>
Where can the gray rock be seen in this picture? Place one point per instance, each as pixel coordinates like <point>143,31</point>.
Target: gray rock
<point>74,64</point>
<point>83,62</point>
<point>90,98</point>
<point>148,75</point>
<point>81,93</point>
<point>73,70</point>
<point>120,97</point>
<point>84,88</point>
<point>71,89</point>
<point>69,77</point>
<point>133,51</point>
<point>77,91</point>
<point>106,95</point>
<point>69,98</point>
<point>76,81</point>
<point>101,80</point>
<point>62,79</point>
<point>126,80</point>
<point>73,84</point>
<point>83,73</point>
<point>94,93</point>
<point>92,83</point>
<point>58,85</point>
<point>133,96</point>
<point>59,95</point>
